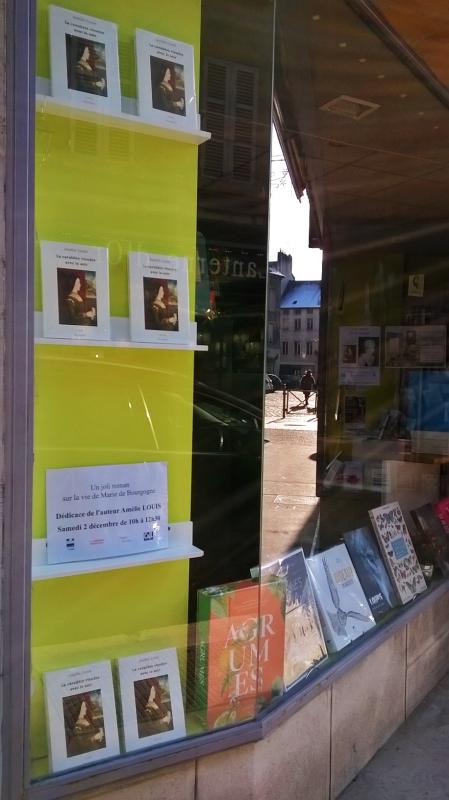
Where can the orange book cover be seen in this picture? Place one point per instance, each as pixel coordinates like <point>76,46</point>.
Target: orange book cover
<point>240,649</point>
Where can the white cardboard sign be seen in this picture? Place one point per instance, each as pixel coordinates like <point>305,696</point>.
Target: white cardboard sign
<point>101,512</point>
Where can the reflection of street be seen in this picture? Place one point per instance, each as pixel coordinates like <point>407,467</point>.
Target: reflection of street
<point>289,504</point>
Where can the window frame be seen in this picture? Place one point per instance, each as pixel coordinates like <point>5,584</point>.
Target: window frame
<point>18,392</point>
<point>15,782</point>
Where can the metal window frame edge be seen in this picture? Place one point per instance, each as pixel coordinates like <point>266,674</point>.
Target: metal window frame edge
<point>16,551</point>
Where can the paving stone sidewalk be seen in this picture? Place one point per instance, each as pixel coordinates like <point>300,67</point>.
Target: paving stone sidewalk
<point>414,763</point>
<point>289,502</point>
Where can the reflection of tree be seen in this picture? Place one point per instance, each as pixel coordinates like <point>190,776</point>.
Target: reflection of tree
<point>279,179</point>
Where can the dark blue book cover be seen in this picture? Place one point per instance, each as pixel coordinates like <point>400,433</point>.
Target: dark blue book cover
<point>371,571</point>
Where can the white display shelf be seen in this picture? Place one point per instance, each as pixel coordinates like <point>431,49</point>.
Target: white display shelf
<point>46,104</point>
<point>181,547</point>
<point>119,337</point>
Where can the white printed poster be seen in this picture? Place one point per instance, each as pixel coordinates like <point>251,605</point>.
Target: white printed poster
<point>101,512</point>
<point>359,355</point>
<point>415,346</point>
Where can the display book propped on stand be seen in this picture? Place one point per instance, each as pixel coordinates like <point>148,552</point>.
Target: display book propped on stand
<point>256,639</point>
<point>107,518</point>
<point>85,79</point>
<point>306,609</point>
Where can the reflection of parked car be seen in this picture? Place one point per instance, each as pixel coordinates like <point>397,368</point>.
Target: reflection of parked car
<point>224,423</point>
<point>268,384</point>
<point>226,474</point>
<point>276,381</point>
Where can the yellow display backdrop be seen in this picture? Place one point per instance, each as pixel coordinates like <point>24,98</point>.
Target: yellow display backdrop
<point>97,185</point>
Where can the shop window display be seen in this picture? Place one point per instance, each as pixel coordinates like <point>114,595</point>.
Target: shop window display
<point>153,617</point>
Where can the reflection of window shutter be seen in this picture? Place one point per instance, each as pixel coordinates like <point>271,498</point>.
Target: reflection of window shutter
<point>215,116</point>
<point>229,114</point>
<point>244,112</point>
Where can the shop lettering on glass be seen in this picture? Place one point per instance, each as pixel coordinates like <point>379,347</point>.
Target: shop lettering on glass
<point>239,264</point>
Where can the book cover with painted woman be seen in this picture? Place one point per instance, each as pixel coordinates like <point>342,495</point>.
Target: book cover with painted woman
<point>158,298</point>
<point>75,291</point>
<point>151,698</point>
<point>84,722</point>
<point>77,297</point>
<point>165,81</point>
<point>84,60</point>
<point>167,86</point>
<point>86,65</point>
<point>81,715</point>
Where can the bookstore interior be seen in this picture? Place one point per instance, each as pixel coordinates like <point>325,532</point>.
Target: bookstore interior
<point>154,618</point>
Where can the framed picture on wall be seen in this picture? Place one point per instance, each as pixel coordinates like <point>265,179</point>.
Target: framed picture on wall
<point>165,80</point>
<point>84,60</point>
<point>81,715</point>
<point>151,699</point>
<point>158,298</point>
<point>75,291</point>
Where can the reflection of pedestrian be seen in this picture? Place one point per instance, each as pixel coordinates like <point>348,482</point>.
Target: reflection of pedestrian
<point>307,385</point>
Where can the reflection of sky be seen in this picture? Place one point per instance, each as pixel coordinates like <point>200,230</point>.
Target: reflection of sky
<point>289,221</point>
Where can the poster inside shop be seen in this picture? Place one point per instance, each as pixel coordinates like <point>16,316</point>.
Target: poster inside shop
<point>418,346</point>
<point>359,355</point>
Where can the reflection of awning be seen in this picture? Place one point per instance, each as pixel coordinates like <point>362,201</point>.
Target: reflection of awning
<point>423,27</point>
<point>362,121</point>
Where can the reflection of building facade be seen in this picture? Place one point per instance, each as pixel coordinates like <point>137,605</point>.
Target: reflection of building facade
<point>300,319</point>
<point>279,275</point>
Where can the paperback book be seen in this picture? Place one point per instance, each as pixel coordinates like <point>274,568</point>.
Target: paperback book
<point>158,298</point>
<point>151,699</point>
<point>81,715</point>
<point>410,484</point>
<point>371,572</point>
<point>304,641</point>
<point>84,60</point>
<point>429,538</point>
<point>75,291</point>
<point>165,80</point>
<point>344,609</point>
<point>398,551</point>
<point>240,649</point>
